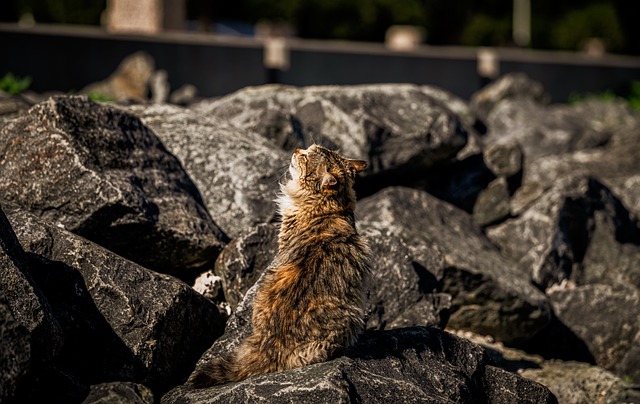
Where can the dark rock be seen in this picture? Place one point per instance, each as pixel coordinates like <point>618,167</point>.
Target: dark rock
<point>606,319</point>
<point>121,321</point>
<point>28,306</point>
<point>119,393</point>
<point>512,86</point>
<point>15,356</point>
<point>236,171</point>
<point>99,172</point>
<point>491,296</point>
<point>503,159</point>
<point>244,259</point>
<point>577,231</point>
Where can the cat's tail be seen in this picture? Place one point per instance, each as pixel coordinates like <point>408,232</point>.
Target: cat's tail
<point>219,371</point>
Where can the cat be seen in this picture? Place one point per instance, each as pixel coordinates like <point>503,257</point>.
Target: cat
<point>310,304</point>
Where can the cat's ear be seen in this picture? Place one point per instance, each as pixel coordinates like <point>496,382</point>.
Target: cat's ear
<point>328,180</point>
<point>358,165</point>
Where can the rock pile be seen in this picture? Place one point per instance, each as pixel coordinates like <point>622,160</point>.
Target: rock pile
<point>504,216</point>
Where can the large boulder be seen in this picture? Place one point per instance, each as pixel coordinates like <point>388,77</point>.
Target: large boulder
<point>120,321</point>
<point>237,171</point>
<point>491,295</point>
<point>101,173</point>
<point>15,356</point>
<point>398,129</point>
<point>579,231</point>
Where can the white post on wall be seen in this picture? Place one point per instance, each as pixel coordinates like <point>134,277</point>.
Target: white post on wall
<point>522,22</point>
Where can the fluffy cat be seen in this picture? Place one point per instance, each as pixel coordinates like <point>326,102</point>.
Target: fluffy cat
<point>309,306</point>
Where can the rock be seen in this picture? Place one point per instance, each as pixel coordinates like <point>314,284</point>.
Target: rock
<point>503,159</point>
<point>491,296</point>
<point>184,95</point>
<point>244,259</point>
<point>15,356</point>
<point>492,204</point>
<point>119,393</point>
<point>130,81</point>
<point>99,172</point>
<point>120,320</point>
<point>417,364</point>
<point>29,308</point>
<point>579,231</point>
<point>512,86</point>
<point>159,86</point>
<point>581,383</point>
<point>593,313</point>
<point>236,171</point>
<point>398,129</point>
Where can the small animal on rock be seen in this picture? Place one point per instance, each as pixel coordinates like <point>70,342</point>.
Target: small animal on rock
<point>309,305</point>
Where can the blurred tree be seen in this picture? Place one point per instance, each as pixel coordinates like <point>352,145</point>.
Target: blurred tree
<point>86,12</point>
<point>598,20</point>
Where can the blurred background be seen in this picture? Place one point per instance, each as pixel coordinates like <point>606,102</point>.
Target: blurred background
<point>572,46</point>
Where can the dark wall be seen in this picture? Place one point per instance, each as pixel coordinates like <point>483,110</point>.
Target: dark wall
<point>67,59</point>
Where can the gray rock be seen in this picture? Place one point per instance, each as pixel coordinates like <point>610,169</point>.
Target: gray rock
<point>15,356</point>
<point>491,296</point>
<point>99,172</point>
<point>503,159</point>
<point>581,383</point>
<point>393,127</point>
<point>121,321</point>
<point>512,86</point>
<point>28,305</point>
<point>119,393</point>
<point>579,231</point>
<point>492,204</point>
<point>607,319</point>
<point>236,171</point>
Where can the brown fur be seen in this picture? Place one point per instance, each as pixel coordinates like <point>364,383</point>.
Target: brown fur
<point>309,306</point>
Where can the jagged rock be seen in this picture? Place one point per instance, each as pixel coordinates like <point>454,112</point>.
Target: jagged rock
<point>130,81</point>
<point>15,356</point>
<point>396,128</point>
<point>503,159</point>
<point>244,259</point>
<point>120,320</point>
<point>119,393</point>
<point>99,172</point>
<point>606,318</point>
<point>581,383</point>
<point>29,307</point>
<point>491,296</point>
<point>577,231</point>
<point>409,364</point>
<point>512,86</point>
<point>236,171</point>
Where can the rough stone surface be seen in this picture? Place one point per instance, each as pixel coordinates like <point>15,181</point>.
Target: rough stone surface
<point>396,128</point>
<point>29,307</point>
<point>581,383</point>
<point>512,86</point>
<point>102,174</point>
<point>578,230</point>
<point>503,159</point>
<point>492,204</point>
<point>120,320</point>
<point>236,171</point>
<point>491,296</point>
<point>119,393</point>
<point>607,319</point>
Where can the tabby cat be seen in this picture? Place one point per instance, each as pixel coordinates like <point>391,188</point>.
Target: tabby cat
<point>309,305</point>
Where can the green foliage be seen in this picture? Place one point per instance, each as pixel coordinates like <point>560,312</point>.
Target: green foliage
<point>86,12</point>
<point>484,30</point>
<point>632,96</point>
<point>99,97</point>
<point>11,84</point>
<point>593,21</point>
